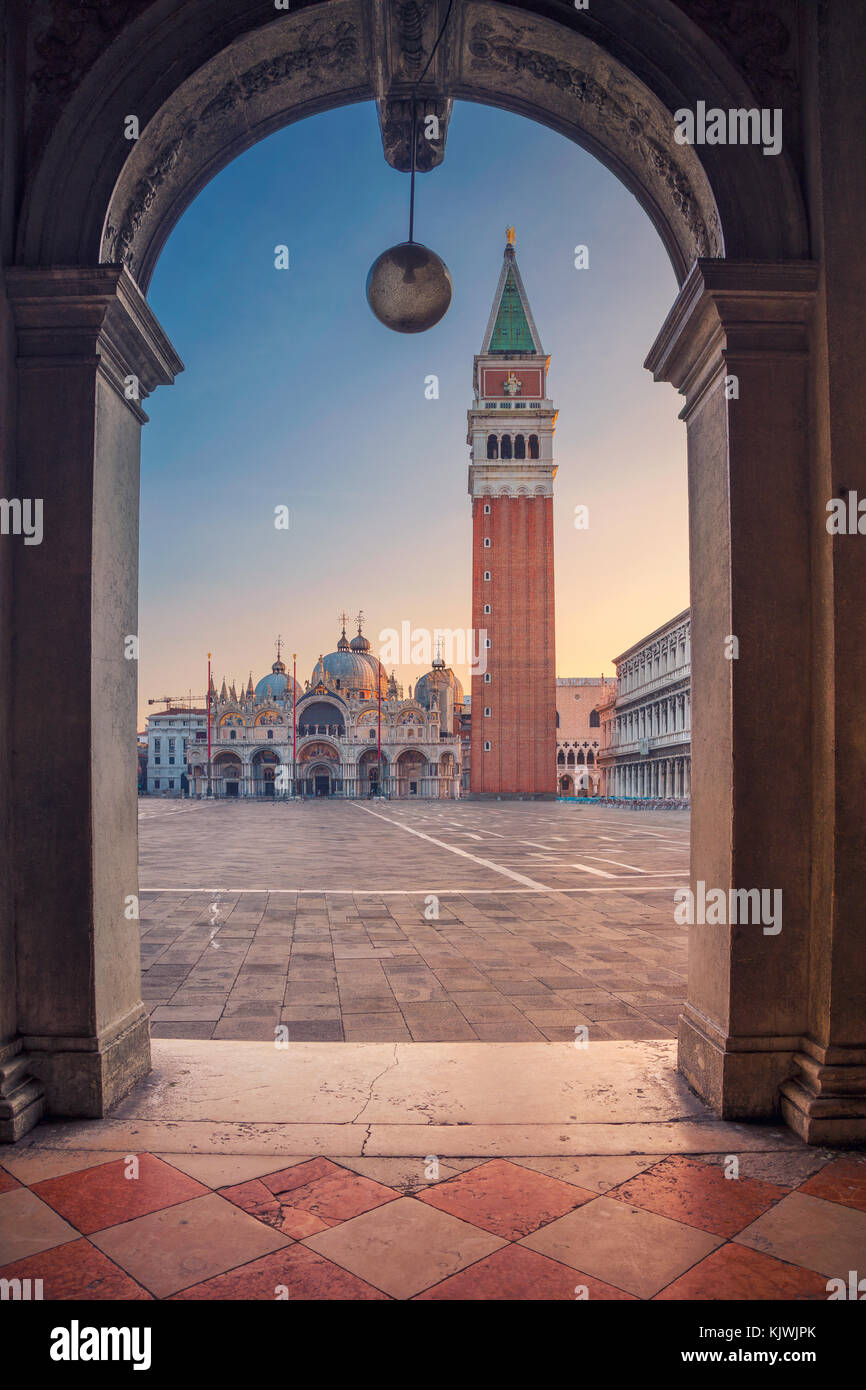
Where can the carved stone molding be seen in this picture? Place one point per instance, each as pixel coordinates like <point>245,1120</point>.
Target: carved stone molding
<point>22,1098</point>
<point>578,83</point>
<point>255,73</point>
<point>403,37</point>
<point>761,39</point>
<point>314,58</point>
<point>70,34</point>
<point>395,122</point>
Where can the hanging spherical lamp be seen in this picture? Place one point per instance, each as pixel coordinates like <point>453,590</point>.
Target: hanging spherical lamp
<point>409,288</point>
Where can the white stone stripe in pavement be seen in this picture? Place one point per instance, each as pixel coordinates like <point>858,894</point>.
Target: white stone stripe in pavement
<point>453,849</point>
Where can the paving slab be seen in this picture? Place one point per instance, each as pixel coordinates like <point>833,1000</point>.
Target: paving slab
<point>326,904</point>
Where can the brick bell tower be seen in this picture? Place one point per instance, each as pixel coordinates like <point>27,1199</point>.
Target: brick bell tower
<point>511,472</point>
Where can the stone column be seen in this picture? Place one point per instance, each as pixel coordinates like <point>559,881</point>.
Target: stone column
<point>825,1102</point>
<point>87,345</point>
<point>736,345</point>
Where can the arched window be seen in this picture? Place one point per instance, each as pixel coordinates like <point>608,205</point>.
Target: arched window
<point>594,720</point>
<point>570,758</point>
<point>492,446</point>
<point>580,755</point>
<point>533,446</point>
<point>519,447</point>
<point>557,719</point>
<point>506,446</point>
<point>590,760</point>
<point>560,758</point>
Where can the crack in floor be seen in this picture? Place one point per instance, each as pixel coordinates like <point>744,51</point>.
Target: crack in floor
<point>393,1063</point>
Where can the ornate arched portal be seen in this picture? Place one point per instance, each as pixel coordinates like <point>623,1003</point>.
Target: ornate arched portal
<point>206,82</point>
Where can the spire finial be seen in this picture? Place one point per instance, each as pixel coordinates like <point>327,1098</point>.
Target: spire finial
<point>279,645</point>
<point>360,619</point>
<point>510,236</point>
<point>342,619</point>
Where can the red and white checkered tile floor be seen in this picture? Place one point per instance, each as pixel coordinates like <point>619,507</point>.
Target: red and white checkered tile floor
<point>115,1226</point>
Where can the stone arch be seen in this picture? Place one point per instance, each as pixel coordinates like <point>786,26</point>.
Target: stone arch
<point>411,769</point>
<point>370,767</point>
<point>323,713</point>
<point>205,93</point>
<point>268,716</point>
<point>314,749</point>
<point>734,227</point>
<point>263,771</point>
<point>227,774</point>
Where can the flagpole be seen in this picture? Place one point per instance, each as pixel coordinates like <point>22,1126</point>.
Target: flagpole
<point>294,723</point>
<point>209,791</point>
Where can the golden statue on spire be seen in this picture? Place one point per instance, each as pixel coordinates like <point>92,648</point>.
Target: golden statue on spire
<point>510,235</point>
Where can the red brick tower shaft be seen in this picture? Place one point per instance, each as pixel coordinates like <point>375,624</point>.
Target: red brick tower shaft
<point>511,472</point>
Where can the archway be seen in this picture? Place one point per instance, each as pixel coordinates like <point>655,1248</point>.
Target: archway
<point>264,773</point>
<point>372,776</point>
<point>318,769</point>
<point>227,777</point>
<point>321,716</point>
<point>319,779</point>
<point>737,235</point>
<point>410,773</point>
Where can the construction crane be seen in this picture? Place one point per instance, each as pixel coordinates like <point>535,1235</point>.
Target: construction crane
<point>169,700</point>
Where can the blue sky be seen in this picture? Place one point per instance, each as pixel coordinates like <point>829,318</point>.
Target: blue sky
<point>295,395</point>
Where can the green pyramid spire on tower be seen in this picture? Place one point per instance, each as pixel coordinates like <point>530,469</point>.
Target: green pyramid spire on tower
<point>511,331</point>
<point>511,328</point>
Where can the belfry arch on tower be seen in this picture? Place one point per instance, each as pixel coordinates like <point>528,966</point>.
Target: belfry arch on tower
<point>763,270</point>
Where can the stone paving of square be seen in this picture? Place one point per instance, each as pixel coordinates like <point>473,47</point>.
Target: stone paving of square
<point>322,916</point>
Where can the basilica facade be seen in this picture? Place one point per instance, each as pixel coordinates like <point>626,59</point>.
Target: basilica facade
<point>348,732</point>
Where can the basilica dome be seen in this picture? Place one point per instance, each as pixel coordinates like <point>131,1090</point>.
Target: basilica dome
<point>277,685</point>
<point>352,667</point>
<point>440,678</point>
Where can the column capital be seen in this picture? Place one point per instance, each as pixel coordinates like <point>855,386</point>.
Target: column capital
<point>69,315</point>
<point>732,308</point>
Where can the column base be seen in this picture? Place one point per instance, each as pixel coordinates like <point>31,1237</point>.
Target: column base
<point>825,1103</point>
<point>739,1078</point>
<point>22,1099</point>
<point>87,1076</point>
